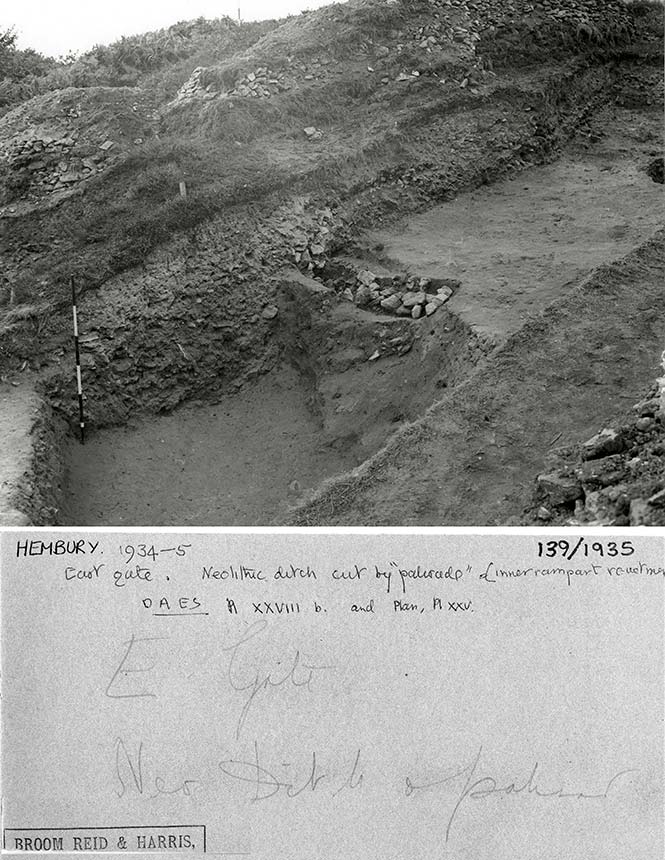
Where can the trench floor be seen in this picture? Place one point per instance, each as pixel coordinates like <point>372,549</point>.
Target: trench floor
<point>516,244</point>
<point>233,463</point>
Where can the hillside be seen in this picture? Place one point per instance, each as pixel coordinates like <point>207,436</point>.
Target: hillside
<point>222,194</point>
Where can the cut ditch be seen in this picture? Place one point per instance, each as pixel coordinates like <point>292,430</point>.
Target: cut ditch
<point>344,383</point>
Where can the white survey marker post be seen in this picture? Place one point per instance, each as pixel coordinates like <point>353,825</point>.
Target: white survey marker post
<point>364,696</point>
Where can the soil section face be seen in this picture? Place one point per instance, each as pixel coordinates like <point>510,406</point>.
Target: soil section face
<point>31,467</point>
<point>18,406</point>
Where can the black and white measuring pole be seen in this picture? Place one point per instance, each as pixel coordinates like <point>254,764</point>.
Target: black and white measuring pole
<point>79,385</point>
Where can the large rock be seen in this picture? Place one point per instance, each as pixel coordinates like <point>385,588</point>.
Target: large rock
<point>559,489</point>
<point>410,300</point>
<point>366,278</point>
<point>363,296</point>
<point>391,303</point>
<point>603,444</point>
<point>269,312</point>
<point>602,472</point>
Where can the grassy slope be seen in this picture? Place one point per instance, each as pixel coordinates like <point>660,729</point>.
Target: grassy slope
<point>158,61</point>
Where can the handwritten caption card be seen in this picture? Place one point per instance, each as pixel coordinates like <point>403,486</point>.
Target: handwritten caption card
<point>339,696</point>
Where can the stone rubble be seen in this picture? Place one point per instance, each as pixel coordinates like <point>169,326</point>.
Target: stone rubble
<point>195,87</point>
<point>52,163</point>
<point>260,83</point>
<point>449,29</point>
<point>615,478</point>
<point>56,142</point>
<point>399,295</point>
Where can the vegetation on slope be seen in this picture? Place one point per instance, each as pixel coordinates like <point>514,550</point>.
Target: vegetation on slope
<point>157,61</point>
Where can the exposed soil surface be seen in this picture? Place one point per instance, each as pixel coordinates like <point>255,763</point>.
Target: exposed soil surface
<point>241,462</point>
<point>517,244</point>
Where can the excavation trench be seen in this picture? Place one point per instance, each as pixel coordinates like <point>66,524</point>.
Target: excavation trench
<point>344,378</point>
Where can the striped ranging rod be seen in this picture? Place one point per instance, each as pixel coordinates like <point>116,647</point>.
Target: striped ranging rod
<point>79,386</point>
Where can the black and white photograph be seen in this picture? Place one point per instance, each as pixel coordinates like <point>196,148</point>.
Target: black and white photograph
<point>299,695</point>
<point>332,429</point>
<point>372,263</point>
